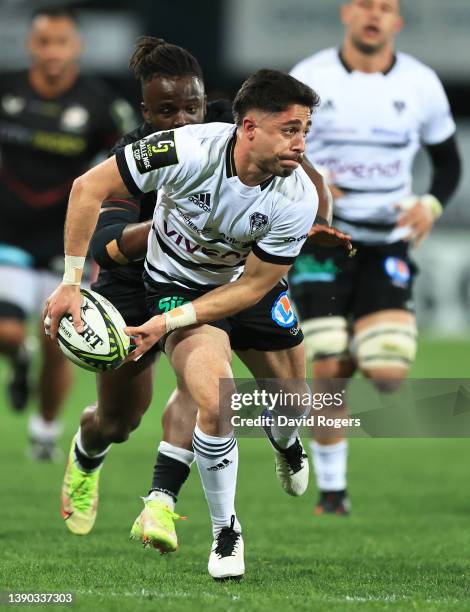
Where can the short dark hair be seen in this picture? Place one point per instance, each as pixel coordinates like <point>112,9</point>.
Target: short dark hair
<point>272,91</point>
<point>154,57</point>
<point>55,12</point>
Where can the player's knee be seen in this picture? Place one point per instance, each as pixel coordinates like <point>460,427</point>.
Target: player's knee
<point>325,337</point>
<point>387,384</point>
<point>385,352</point>
<point>117,431</point>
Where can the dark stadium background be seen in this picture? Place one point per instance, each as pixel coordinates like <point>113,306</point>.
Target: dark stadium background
<point>223,36</point>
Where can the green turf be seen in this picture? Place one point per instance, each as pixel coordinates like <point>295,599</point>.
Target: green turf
<point>405,546</point>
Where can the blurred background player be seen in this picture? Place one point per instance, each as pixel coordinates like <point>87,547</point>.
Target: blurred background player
<point>173,95</point>
<point>53,122</point>
<point>377,108</point>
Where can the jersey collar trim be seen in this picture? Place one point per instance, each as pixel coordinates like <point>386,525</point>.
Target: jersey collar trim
<point>348,68</point>
<point>229,157</point>
<point>230,163</point>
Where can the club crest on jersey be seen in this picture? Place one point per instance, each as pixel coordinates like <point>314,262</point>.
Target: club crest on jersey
<point>258,221</point>
<point>282,312</point>
<point>399,106</point>
<point>156,151</point>
<point>398,270</point>
<point>328,105</point>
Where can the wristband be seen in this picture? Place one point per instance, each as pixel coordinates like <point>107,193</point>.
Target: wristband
<point>433,204</point>
<point>180,317</point>
<point>428,200</point>
<point>73,270</point>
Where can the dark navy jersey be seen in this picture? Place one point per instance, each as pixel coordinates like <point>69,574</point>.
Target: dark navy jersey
<point>130,276</point>
<point>45,144</point>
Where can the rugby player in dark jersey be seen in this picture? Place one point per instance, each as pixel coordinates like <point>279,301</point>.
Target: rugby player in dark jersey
<point>53,122</point>
<point>173,95</point>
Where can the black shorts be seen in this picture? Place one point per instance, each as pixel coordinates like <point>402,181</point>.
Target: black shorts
<point>270,325</point>
<point>327,282</point>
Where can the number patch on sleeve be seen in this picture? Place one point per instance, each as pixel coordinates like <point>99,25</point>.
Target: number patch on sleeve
<point>156,151</point>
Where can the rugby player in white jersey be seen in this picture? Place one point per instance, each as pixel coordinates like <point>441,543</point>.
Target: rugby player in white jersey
<point>234,208</point>
<point>378,107</point>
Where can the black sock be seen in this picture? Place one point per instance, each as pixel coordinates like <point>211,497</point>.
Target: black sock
<point>88,463</point>
<point>169,475</point>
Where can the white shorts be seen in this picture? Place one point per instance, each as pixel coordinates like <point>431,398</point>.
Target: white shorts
<point>26,288</point>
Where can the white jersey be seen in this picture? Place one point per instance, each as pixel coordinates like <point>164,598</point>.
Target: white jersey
<point>206,220</point>
<point>367,132</point>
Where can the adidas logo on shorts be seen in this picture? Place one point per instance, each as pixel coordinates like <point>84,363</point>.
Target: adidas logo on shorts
<point>220,466</point>
<point>202,200</point>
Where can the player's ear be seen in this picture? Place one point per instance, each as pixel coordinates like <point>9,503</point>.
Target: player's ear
<point>345,13</point>
<point>399,24</point>
<point>249,126</point>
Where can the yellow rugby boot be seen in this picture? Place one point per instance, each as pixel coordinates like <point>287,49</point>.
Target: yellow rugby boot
<point>155,526</point>
<point>79,499</point>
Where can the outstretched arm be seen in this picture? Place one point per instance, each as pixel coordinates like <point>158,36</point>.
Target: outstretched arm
<point>258,278</point>
<point>88,191</point>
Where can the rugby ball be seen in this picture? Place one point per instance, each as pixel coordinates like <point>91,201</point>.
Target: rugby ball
<point>102,345</point>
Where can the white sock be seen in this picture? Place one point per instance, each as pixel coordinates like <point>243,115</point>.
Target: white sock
<point>285,435</point>
<point>43,431</point>
<point>175,452</point>
<point>163,497</point>
<point>330,465</point>
<point>217,461</point>
<point>89,454</point>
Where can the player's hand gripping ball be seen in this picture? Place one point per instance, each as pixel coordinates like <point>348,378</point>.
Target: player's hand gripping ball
<point>102,345</point>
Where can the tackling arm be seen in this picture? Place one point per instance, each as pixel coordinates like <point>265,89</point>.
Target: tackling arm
<point>119,236</point>
<point>325,199</point>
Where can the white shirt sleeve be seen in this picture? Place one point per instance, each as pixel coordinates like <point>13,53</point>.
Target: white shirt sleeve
<point>162,158</point>
<point>289,228</point>
<point>438,124</point>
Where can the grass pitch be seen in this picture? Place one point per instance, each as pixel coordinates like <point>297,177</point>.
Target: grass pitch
<point>406,545</point>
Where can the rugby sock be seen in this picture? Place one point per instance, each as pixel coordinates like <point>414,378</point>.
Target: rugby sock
<point>171,470</point>
<point>85,460</point>
<point>330,465</point>
<point>217,461</point>
<point>45,432</point>
<point>283,435</point>
<point>166,499</point>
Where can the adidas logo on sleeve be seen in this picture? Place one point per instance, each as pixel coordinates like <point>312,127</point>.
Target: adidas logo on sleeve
<point>202,201</point>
